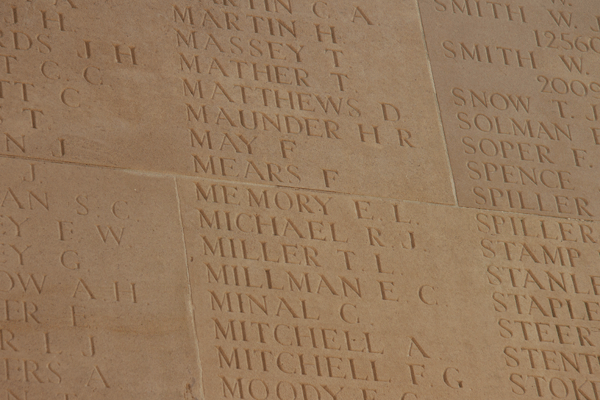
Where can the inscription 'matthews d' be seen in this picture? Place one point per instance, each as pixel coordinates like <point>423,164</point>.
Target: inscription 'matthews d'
<point>519,102</point>
<point>276,92</point>
<point>299,199</point>
<point>265,87</point>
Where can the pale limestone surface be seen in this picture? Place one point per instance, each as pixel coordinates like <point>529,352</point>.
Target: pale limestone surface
<point>192,89</point>
<point>385,298</point>
<point>293,199</point>
<point>93,283</point>
<point>518,93</point>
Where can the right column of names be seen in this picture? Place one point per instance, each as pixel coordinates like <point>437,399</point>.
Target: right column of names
<point>519,99</point>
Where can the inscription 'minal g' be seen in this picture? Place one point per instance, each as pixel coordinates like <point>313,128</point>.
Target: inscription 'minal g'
<point>285,285</point>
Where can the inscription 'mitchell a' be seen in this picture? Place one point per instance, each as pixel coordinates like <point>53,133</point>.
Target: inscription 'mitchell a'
<point>253,199</point>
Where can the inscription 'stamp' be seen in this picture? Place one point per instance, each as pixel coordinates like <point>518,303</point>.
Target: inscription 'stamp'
<point>299,200</point>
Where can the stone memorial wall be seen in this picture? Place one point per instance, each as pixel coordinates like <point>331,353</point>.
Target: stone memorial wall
<point>299,199</point>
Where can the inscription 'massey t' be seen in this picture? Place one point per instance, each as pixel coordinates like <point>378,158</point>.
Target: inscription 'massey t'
<point>263,83</point>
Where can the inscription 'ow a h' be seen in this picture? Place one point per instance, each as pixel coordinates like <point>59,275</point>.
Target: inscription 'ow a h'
<point>83,291</point>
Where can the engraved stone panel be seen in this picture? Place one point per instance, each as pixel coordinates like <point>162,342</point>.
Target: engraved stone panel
<point>541,283</point>
<point>319,295</point>
<point>518,89</point>
<point>341,297</point>
<point>253,199</point>
<point>323,95</point>
<point>93,286</point>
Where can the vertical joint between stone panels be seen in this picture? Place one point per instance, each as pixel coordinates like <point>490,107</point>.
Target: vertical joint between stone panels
<point>437,102</point>
<point>190,303</point>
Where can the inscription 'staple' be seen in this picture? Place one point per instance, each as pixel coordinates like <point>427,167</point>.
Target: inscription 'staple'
<point>518,89</point>
<point>345,297</point>
<point>93,286</point>
<point>266,210</point>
